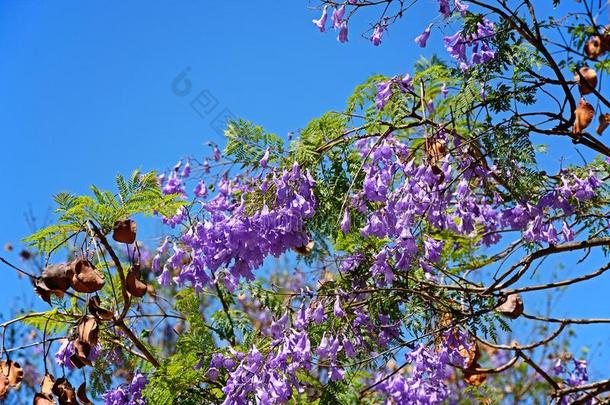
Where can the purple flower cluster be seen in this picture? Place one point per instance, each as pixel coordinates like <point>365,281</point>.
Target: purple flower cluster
<point>450,195</point>
<point>386,89</point>
<point>272,376</point>
<point>174,183</point>
<point>338,22</point>
<point>430,368</point>
<point>127,394</point>
<point>572,376</point>
<point>269,378</point>
<point>479,43</point>
<point>445,9</point>
<point>229,239</point>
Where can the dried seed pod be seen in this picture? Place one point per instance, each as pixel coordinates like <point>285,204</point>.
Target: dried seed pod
<point>96,310</point>
<point>65,392</point>
<point>43,399</point>
<point>80,358</point>
<point>57,276</point>
<point>584,115</point>
<point>13,371</point>
<point>435,151</point>
<point>4,385</point>
<point>81,394</point>
<point>45,292</point>
<point>604,121</point>
<point>594,47</point>
<point>472,377</point>
<point>305,250</point>
<point>587,85</point>
<point>88,330</point>
<point>46,386</point>
<point>42,290</point>
<point>133,285</point>
<point>124,231</point>
<point>86,278</point>
<point>512,307</point>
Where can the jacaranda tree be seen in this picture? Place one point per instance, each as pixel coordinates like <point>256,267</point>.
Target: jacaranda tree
<point>413,229</point>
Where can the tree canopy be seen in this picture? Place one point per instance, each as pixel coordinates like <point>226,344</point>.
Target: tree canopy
<point>412,229</point>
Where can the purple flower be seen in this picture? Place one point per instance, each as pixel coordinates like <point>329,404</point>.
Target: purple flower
<point>318,314</point>
<point>216,153</point>
<point>186,171</point>
<point>321,22</point>
<point>384,93</point>
<point>264,159</point>
<point>345,222</point>
<point>201,190</point>
<point>336,374</point>
<point>566,231</point>
<point>423,37</point>
<point>127,394</point>
<point>433,249</point>
<point>337,16</point>
<point>62,357</point>
<point>459,6</point>
<point>342,37</point>
<point>337,309</point>
<point>377,34</point>
<point>443,8</point>
<point>558,367</point>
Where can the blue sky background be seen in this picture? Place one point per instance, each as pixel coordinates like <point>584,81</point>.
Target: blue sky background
<point>87,93</point>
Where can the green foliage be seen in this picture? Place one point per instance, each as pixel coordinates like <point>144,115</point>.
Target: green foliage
<point>51,321</point>
<point>178,380</point>
<point>140,194</point>
<point>246,144</point>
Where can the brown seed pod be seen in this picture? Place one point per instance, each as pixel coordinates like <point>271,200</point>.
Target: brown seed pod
<point>124,231</point>
<point>43,399</point>
<point>57,276</point>
<point>13,371</point>
<point>472,377</point>
<point>594,47</point>
<point>97,311</point>
<point>512,307</point>
<point>81,394</point>
<point>46,386</point>
<point>65,392</point>
<point>86,278</point>
<point>45,292</point>
<point>133,285</point>
<point>80,358</point>
<point>584,115</point>
<point>88,330</point>
<point>435,151</point>
<point>587,85</point>
<point>604,121</point>
<point>305,250</point>
<point>4,385</point>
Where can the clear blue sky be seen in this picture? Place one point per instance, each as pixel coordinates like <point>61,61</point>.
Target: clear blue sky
<point>87,93</point>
